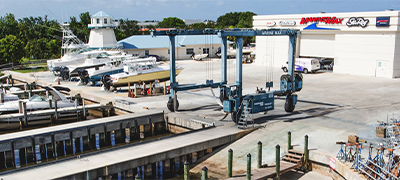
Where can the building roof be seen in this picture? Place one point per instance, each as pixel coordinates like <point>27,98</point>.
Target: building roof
<point>192,21</point>
<point>157,29</point>
<point>101,14</point>
<point>149,42</point>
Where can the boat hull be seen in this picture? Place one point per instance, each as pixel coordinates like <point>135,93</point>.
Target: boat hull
<point>147,77</point>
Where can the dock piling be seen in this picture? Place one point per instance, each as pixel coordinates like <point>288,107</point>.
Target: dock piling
<point>55,110</point>
<point>230,156</point>
<point>2,97</point>
<point>204,173</point>
<point>186,170</point>
<point>289,140</point>
<point>248,174</point>
<point>84,109</point>
<point>259,155</point>
<point>306,151</point>
<point>25,113</point>
<point>138,177</point>
<point>277,159</point>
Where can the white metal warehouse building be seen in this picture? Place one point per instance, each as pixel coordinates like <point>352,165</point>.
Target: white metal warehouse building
<point>184,45</point>
<point>361,43</point>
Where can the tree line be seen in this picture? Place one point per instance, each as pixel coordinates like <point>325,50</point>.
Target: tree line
<point>40,37</point>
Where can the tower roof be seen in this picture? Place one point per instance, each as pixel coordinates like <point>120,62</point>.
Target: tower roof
<point>101,14</point>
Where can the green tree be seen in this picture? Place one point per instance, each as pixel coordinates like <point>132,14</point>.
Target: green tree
<point>172,22</point>
<point>8,26</point>
<point>197,26</point>
<point>11,49</point>
<point>80,28</point>
<point>119,35</point>
<point>36,49</point>
<point>128,28</point>
<point>236,19</point>
<point>53,49</point>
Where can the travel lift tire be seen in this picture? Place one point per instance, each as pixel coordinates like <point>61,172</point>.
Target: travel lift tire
<point>170,104</point>
<point>289,107</point>
<point>235,116</point>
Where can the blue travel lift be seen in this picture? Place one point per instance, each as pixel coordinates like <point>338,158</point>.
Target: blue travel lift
<point>231,94</point>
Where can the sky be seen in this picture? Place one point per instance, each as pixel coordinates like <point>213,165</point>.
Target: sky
<point>142,10</point>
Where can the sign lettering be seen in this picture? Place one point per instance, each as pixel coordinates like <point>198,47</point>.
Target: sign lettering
<point>287,23</point>
<point>359,21</point>
<point>326,20</point>
<point>271,33</point>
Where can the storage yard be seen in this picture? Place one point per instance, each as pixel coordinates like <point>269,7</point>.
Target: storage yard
<point>330,108</point>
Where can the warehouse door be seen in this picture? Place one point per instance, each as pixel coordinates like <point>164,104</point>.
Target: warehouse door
<point>381,68</point>
<point>317,45</point>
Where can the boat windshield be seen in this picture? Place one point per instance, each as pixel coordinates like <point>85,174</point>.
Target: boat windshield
<point>37,98</point>
<point>104,54</point>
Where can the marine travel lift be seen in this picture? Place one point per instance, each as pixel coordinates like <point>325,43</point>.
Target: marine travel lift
<point>231,95</point>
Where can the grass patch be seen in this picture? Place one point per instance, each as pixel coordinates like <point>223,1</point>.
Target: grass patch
<point>30,70</point>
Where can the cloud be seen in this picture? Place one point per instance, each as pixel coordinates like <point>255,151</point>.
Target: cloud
<point>220,3</point>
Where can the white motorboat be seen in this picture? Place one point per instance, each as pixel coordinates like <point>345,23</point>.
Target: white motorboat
<point>139,71</point>
<point>9,97</point>
<point>199,56</point>
<point>112,67</point>
<point>37,102</point>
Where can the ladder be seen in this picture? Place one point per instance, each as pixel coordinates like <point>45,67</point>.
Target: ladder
<point>245,117</point>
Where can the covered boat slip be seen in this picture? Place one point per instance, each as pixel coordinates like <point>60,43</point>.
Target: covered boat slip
<point>141,117</point>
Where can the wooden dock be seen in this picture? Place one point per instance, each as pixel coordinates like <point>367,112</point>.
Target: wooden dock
<point>292,160</point>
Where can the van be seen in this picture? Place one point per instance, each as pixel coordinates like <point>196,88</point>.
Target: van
<point>305,65</point>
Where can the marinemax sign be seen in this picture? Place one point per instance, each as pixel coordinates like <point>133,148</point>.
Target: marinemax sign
<point>326,20</point>
<point>382,21</point>
<point>287,23</point>
<point>357,21</point>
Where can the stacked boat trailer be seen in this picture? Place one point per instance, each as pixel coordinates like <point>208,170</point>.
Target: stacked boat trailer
<point>234,101</point>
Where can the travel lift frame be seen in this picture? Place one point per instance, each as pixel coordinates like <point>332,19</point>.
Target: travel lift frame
<point>231,95</point>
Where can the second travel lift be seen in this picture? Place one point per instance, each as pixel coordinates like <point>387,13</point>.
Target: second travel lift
<point>231,95</point>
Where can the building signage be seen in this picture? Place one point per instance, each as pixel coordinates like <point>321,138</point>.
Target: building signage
<point>287,23</point>
<point>357,21</point>
<point>382,21</point>
<point>270,23</point>
<point>326,20</point>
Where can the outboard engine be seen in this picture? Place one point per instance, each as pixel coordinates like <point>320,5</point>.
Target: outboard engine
<point>84,76</point>
<point>61,71</point>
<point>106,80</point>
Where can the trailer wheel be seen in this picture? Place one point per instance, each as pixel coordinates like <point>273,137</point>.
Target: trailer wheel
<point>170,104</point>
<point>289,105</point>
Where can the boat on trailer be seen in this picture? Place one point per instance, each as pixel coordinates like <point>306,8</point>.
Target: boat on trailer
<point>138,71</point>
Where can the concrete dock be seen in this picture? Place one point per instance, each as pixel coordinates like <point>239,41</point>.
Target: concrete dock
<point>127,158</point>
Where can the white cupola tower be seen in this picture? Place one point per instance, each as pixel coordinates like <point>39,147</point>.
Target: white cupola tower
<point>102,32</point>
